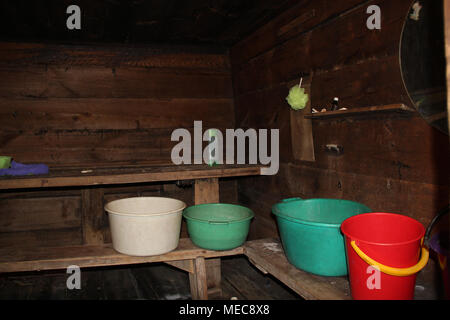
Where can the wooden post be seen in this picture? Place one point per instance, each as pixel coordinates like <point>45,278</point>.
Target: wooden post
<point>193,286</point>
<point>447,50</point>
<point>301,128</point>
<point>92,216</point>
<point>214,277</point>
<point>207,191</point>
<point>447,53</point>
<point>200,277</point>
<point>198,280</point>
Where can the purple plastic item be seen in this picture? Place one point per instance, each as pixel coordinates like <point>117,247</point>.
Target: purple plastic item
<point>20,169</point>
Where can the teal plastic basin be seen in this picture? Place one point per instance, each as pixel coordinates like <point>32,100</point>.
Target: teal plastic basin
<point>218,226</point>
<point>310,233</point>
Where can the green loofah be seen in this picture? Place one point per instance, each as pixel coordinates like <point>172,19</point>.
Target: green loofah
<point>297,98</point>
<point>5,162</point>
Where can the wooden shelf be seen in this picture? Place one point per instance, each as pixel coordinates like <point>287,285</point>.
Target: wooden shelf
<point>72,177</point>
<point>391,108</point>
<point>35,259</point>
<point>268,256</point>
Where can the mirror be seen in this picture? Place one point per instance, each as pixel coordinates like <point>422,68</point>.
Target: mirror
<point>423,61</point>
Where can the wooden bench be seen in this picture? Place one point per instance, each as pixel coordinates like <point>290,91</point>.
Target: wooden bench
<point>266,254</point>
<point>186,257</point>
<point>203,265</point>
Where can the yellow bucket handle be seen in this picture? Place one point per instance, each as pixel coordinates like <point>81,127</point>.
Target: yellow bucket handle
<point>400,272</point>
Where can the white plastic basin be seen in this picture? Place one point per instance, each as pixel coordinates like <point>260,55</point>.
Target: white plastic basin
<point>145,226</point>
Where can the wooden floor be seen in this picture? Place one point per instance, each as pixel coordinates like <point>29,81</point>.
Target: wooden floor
<point>156,281</point>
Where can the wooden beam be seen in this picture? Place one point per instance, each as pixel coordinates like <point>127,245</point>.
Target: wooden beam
<point>185,265</point>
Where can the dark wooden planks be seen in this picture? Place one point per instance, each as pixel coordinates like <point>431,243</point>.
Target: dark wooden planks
<point>42,238</point>
<point>386,194</point>
<point>108,114</point>
<point>188,57</point>
<point>40,219</point>
<point>99,82</point>
<point>18,214</point>
<point>161,282</point>
<point>363,84</point>
<point>245,281</point>
<point>387,159</point>
<point>87,147</point>
<point>302,17</point>
<point>326,47</point>
<point>88,104</point>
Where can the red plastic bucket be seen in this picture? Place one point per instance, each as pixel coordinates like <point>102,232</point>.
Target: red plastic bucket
<point>383,251</point>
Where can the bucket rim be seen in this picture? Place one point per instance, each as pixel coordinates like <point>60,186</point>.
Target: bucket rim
<point>277,213</point>
<point>187,209</point>
<point>347,235</point>
<point>135,214</point>
<point>309,223</point>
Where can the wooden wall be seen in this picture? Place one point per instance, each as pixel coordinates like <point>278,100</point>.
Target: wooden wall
<point>392,163</point>
<point>99,105</point>
<point>65,105</point>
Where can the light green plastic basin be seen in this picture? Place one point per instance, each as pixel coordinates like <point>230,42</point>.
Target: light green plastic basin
<point>218,226</point>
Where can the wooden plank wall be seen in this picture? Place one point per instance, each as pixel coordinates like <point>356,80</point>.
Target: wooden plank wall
<point>65,105</point>
<point>391,163</point>
<point>92,105</point>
